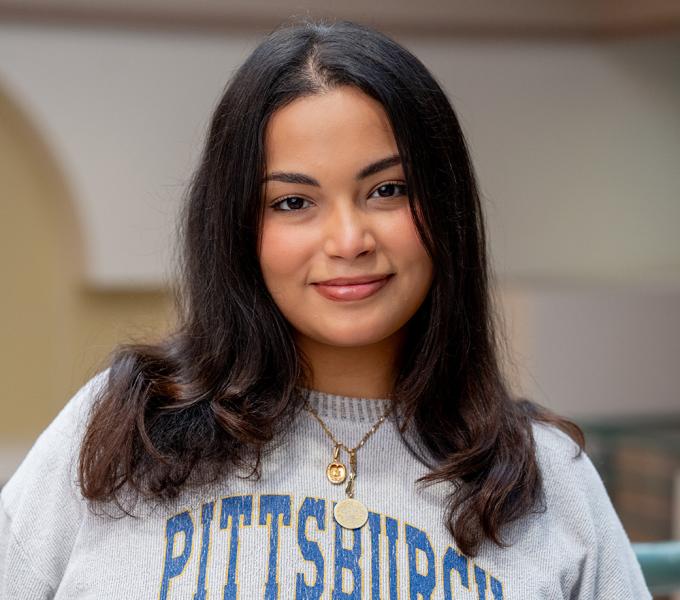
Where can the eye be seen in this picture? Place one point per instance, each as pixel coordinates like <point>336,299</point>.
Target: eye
<point>386,190</point>
<point>294,204</point>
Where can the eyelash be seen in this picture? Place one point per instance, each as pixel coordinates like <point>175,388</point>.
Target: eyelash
<point>398,184</point>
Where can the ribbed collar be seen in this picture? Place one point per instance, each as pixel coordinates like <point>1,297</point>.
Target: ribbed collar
<point>349,408</point>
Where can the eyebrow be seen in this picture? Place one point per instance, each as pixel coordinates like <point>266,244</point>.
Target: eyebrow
<point>367,171</point>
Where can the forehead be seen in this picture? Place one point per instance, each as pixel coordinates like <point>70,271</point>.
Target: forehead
<point>343,125</point>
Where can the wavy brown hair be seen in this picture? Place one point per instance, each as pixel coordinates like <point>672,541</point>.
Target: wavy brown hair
<point>215,392</point>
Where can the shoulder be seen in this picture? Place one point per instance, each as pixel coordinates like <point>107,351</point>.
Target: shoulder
<point>52,455</point>
<point>555,449</point>
<point>576,501</point>
<point>580,512</point>
<point>40,506</point>
<point>568,472</point>
<point>558,453</point>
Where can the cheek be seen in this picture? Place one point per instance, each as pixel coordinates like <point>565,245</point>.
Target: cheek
<point>404,243</point>
<point>283,254</point>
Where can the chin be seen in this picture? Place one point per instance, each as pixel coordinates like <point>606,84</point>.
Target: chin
<point>351,339</point>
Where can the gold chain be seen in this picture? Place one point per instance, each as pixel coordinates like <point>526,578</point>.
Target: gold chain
<point>352,452</point>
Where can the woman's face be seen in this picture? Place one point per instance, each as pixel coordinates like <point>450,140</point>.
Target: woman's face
<point>336,206</point>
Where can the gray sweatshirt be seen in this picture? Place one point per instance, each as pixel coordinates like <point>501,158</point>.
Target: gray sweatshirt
<point>276,537</point>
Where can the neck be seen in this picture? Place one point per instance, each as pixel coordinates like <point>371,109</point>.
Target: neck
<point>356,371</point>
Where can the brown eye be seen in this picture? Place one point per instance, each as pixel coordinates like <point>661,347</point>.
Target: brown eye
<point>387,190</point>
<point>294,203</point>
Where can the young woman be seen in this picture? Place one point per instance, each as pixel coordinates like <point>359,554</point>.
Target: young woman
<point>329,419</point>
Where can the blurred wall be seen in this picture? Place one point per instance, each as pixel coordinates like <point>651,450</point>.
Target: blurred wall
<point>55,331</point>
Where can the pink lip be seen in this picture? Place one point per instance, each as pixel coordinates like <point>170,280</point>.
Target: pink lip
<point>354,280</point>
<point>350,291</point>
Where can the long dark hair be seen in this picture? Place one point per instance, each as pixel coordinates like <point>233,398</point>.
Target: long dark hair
<point>213,394</point>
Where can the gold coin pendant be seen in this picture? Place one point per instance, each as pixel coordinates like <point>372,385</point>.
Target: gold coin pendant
<point>350,513</point>
<point>336,472</point>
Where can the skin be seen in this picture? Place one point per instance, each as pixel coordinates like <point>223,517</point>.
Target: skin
<point>342,228</point>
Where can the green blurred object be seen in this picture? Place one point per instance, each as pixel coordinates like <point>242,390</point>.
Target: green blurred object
<point>660,562</point>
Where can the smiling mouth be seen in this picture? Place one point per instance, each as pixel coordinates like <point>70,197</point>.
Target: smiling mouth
<point>355,280</point>
<point>344,292</point>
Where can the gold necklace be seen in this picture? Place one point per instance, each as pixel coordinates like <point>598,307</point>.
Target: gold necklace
<point>350,513</point>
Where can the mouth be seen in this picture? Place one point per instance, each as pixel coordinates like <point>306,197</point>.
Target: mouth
<point>355,280</point>
<point>352,288</point>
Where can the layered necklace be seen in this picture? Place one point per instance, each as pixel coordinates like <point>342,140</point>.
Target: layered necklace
<point>349,513</point>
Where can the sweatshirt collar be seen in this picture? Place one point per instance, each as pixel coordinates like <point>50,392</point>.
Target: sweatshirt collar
<point>349,408</point>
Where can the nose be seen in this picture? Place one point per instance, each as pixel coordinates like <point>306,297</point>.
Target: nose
<point>348,233</point>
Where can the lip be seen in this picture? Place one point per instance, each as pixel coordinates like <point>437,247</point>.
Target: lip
<point>352,288</point>
<point>354,280</point>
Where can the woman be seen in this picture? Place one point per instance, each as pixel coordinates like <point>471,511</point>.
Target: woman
<point>329,419</point>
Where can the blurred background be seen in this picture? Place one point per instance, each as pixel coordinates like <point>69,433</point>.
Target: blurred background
<point>572,112</point>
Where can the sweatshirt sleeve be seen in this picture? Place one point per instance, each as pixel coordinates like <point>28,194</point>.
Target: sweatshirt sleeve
<point>40,506</point>
<point>612,570</point>
<point>607,567</point>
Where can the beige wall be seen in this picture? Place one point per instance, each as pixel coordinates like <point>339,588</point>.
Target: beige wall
<point>54,332</point>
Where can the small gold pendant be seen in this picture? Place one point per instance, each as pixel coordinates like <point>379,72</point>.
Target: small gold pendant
<point>350,513</point>
<point>336,471</point>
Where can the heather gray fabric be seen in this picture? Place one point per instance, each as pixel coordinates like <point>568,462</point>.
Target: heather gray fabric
<point>276,537</point>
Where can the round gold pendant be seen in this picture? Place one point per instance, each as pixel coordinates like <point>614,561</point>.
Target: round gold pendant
<point>336,472</point>
<point>350,513</point>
